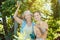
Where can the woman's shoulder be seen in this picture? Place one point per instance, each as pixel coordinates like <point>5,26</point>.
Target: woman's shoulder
<point>45,24</point>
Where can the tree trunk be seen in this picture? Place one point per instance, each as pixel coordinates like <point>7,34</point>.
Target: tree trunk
<point>5,25</point>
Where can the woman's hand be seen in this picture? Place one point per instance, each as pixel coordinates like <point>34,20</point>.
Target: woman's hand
<point>37,32</point>
<point>18,4</point>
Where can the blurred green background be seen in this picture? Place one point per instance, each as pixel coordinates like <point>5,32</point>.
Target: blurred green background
<point>50,12</point>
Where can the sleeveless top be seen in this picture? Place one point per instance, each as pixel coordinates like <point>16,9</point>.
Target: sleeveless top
<point>27,30</point>
<point>39,39</point>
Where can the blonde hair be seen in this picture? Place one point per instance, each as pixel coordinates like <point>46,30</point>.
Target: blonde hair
<point>26,12</point>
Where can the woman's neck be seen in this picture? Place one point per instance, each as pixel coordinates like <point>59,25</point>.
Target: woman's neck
<point>39,21</point>
<point>29,23</point>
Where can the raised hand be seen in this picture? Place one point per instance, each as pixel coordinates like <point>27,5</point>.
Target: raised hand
<point>18,4</point>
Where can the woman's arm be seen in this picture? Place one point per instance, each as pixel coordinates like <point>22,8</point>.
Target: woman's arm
<point>37,32</point>
<point>45,34</point>
<point>16,13</point>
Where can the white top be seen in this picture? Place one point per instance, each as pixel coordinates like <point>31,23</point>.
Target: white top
<point>39,39</point>
<point>27,30</point>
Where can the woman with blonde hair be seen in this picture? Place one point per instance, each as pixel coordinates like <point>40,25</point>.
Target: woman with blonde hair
<point>26,23</point>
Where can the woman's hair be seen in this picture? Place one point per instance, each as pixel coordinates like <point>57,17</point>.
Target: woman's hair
<point>38,12</point>
<point>26,12</point>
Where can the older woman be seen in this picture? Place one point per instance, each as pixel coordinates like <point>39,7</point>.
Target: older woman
<point>41,27</point>
<point>26,23</point>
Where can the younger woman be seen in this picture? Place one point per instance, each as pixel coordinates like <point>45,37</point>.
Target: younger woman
<point>41,27</point>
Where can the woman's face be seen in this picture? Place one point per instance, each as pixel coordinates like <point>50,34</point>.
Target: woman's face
<point>37,16</point>
<point>28,17</point>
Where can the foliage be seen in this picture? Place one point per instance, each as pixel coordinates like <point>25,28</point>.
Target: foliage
<point>48,9</point>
